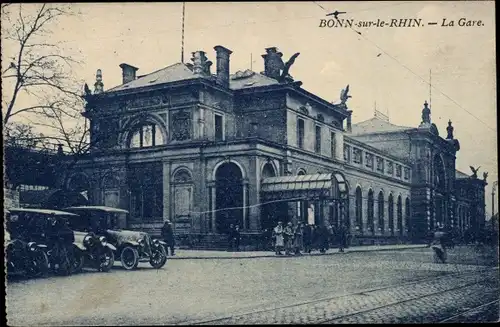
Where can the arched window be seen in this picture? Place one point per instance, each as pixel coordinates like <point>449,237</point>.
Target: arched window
<point>268,170</point>
<point>359,209</point>
<point>400,215</point>
<point>407,215</point>
<point>390,207</point>
<point>146,135</point>
<point>370,212</point>
<point>381,211</point>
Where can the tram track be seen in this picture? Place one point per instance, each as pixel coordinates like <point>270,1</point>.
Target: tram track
<point>470,311</point>
<point>282,312</point>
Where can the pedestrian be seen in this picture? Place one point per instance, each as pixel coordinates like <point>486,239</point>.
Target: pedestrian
<point>278,238</point>
<point>308,238</point>
<point>230,236</point>
<point>298,241</point>
<point>342,236</point>
<point>322,238</point>
<point>167,233</point>
<point>439,245</point>
<point>288,233</point>
<point>314,237</point>
<point>236,238</point>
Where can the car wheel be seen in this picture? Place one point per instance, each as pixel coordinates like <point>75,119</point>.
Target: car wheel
<point>129,257</point>
<point>39,264</point>
<point>158,257</point>
<point>107,260</point>
<point>77,260</point>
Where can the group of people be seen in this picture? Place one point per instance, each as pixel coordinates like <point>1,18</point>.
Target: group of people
<point>301,238</point>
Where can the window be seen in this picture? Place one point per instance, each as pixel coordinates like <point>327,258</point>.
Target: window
<point>359,209</point>
<point>400,215</point>
<point>332,143</point>
<point>300,133</point>
<point>381,212</point>
<point>219,132</point>
<point>146,192</point>
<point>391,214</point>
<point>146,136</point>
<point>357,155</point>
<point>317,146</point>
<point>347,153</point>
<point>370,222</point>
<point>398,171</point>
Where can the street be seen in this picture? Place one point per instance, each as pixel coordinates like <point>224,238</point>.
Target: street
<point>393,286</point>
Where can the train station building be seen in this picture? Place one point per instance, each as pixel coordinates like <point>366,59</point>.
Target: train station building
<point>207,149</point>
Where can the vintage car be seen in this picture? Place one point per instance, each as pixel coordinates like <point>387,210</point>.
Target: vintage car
<point>65,248</point>
<point>93,251</point>
<point>132,246</point>
<point>25,258</point>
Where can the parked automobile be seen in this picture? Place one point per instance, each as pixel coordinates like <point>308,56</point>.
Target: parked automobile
<point>132,247</point>
<point>25,258</point>
<point>64,248</point>
<point>93,251</point>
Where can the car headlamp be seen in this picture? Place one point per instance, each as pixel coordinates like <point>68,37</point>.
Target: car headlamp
<point>156,241</point>
<point>103,240</point>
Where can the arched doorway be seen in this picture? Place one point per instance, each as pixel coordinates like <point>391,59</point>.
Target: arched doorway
<point>270,212</point>
<point>359,209</point>
<point>407,215</point>
<point>268,171</point>
<point>228,197</point>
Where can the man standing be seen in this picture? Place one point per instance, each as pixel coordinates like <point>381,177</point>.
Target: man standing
<point>342,235</point>
<point>307,238</point>
<point>236,238</point>
<point>167,233</point>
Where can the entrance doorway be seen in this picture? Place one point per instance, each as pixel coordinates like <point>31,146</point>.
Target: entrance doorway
<point>228,197</point>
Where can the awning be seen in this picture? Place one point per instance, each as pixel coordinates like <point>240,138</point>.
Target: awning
<point>315,186</point>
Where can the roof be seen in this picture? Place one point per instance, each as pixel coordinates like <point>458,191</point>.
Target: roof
<point>43,211</point>
<point>459,174</point>
<point>376,125</point>
<point>101,208</point>
<point>181,72</point>
<point>302,182</point>
<point>51,198</point>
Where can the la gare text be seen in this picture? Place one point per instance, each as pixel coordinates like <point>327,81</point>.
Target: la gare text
<point>403,22</point>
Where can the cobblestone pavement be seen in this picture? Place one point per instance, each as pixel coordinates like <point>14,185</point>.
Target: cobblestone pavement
<point>337,288</point>
<point>416,302</point>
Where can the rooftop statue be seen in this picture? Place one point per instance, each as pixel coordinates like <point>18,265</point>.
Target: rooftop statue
<point>474,171</point>
<point>287,67</point>
<point>344,95</point>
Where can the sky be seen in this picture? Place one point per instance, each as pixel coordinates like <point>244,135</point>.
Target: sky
<point>462,59</point>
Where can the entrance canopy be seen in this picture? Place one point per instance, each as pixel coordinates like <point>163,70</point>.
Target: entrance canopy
<point>308,187</point>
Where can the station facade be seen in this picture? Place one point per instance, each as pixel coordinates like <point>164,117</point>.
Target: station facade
<point>205,150</point>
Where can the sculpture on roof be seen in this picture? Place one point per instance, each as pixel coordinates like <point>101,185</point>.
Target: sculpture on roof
<point>87,90</point>
<point>485,175</point>
<point>449,129</point>
<point>474,171</point>
<point>344,95</point>
<point>287,67</point>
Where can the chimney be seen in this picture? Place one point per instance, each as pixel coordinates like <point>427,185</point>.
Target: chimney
<point>128,73</point>
<point>349,126</point>
<point>222,65</point>
<point>273,62</point>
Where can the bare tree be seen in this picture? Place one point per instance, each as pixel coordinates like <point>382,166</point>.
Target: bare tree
<point>37,73</point>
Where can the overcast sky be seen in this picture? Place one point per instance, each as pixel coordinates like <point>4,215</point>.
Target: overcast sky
<point>462,59</point>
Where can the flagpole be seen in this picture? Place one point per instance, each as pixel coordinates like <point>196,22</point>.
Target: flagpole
<point>182,44</point>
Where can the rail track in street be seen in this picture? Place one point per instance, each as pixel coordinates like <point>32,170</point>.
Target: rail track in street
<point>416,301</point>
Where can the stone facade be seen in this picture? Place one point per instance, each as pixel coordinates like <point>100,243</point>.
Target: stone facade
<point>193,147</point>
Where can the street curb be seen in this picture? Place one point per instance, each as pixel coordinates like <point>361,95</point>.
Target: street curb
<point>293,256</point>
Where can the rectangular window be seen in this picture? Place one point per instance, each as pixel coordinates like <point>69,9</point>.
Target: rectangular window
<point>219,135</point>
<point>317,145</point>
<point>300,133</point>
<point>332,143</point>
